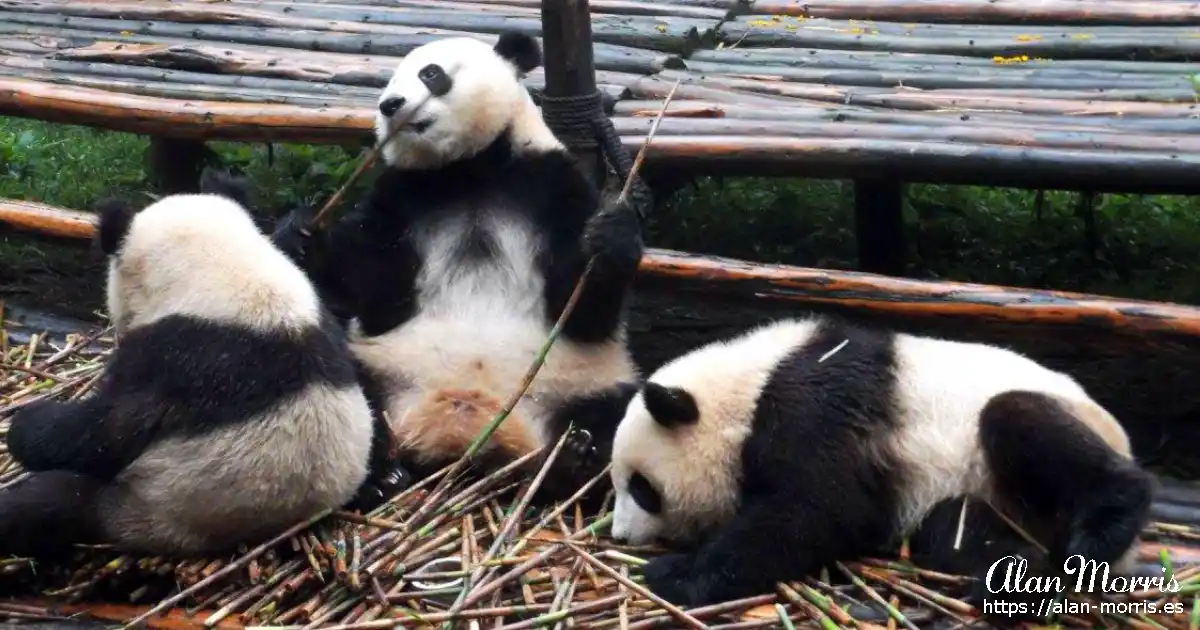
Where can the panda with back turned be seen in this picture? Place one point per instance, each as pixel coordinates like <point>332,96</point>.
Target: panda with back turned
<point>802,442</point>
<point>454,269</point>
<point>229,411</point>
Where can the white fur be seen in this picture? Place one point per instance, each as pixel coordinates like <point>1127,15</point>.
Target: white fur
<point>487,96</point>
<point>943,386</point>
<point>202,255</point>
<point>252,479</point>
<point>696,468</point>
<point>479,325</point>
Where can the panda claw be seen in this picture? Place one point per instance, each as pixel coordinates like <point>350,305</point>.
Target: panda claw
<point>382,488</point>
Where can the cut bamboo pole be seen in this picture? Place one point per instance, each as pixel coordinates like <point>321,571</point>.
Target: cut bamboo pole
<point>916,298</point>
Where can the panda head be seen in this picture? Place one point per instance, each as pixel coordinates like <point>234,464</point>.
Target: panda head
<point>675,465</point>
<point>455,96</point>
<point>198,255</point>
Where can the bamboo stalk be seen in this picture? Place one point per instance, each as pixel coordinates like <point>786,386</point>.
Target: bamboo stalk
<point>1089,12</point>
<point>676,35</point>
<point>946,132</point>
<point>995,77</point>
<point>398,42</point>
<point>1107,42</point>
<point>713,109</point>
<point>904,99</point>
<point>867,59</point>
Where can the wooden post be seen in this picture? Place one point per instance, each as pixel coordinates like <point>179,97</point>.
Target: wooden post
<point>569,65</point>
<point>174,165</point>
<point>879,226</point>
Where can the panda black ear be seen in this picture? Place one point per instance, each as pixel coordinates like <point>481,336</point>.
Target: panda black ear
<point>521,49</point>
<point>115,217</point>
<point>670,406</point>
<point>219,182</point>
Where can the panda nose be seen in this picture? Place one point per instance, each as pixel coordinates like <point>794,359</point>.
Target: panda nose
<point>390,106</point>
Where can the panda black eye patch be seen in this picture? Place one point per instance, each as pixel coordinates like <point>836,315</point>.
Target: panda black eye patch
<point>644,494</point>
<point>435,79</point>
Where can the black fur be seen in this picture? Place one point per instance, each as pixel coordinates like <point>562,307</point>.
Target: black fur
<point>670,406</point>
<point>387,476</point>
<point>811,492</point>
<point>177,376</point>
<point>1077,496</point>
<point>366,265</point>
<point>1039,452</point>
<point>820,484</point>
<point>115,216</point>
<point>42,515</point>
<point>521,49</point>
<point>593,421</point>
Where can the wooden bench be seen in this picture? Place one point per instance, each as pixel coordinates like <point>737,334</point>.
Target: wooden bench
<point>1090,95</point>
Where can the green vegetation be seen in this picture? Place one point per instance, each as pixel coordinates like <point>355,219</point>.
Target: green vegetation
<point>1146,247</point>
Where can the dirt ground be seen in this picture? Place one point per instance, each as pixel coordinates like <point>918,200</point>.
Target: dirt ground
<point>59,278</point>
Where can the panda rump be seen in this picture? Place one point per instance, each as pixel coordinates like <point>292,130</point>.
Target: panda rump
<point>807,441</point>
<point>229,411</point>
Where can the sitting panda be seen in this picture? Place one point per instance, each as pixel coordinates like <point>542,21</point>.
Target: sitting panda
<point>455,268</point>
<point>229,411</point>
<point>807,441</point>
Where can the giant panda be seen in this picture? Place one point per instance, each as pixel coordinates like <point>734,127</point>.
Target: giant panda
<point>229,411</point>
<point>454,269</point>
<point>763,457</point>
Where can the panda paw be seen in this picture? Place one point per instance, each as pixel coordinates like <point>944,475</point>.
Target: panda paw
<point>381,488</point>
<point>290,234</point>
<point>614,236</point>
<point>580,447</point>
<point>670,577</point>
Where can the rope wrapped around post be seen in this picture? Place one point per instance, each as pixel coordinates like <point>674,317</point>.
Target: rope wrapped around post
<point>581,123</point>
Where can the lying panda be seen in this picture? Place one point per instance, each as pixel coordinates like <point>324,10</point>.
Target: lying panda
<point>456,267</point>
<point>229,411</point>
<point>807,441</point>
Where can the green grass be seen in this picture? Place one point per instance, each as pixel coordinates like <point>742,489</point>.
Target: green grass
<point>1148,246</point>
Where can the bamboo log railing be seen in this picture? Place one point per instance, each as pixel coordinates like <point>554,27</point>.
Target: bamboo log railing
<point>782,282</point>
<point>1088,94</point>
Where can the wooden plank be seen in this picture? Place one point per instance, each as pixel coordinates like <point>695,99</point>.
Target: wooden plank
<point>702,109</point>
<point>667,34</point>
<point>1061,42</point>
<point>1083,12</point>
<point>283,42</point>
<point>736,89</point>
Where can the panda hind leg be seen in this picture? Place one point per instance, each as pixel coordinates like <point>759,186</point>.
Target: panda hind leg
<point>1044,460</point>
<point>1074,494</point>
<point>43,515</point>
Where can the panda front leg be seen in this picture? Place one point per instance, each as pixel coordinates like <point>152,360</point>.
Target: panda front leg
<point>54,435</point>
<point>773,538</point>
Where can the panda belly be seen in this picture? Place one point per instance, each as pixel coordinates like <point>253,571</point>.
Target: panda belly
<point>480,323</point>
<point>249,480</point>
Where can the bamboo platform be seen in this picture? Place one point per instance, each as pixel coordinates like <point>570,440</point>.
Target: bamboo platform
<point>1068,94</point>
<point>404,564</point>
